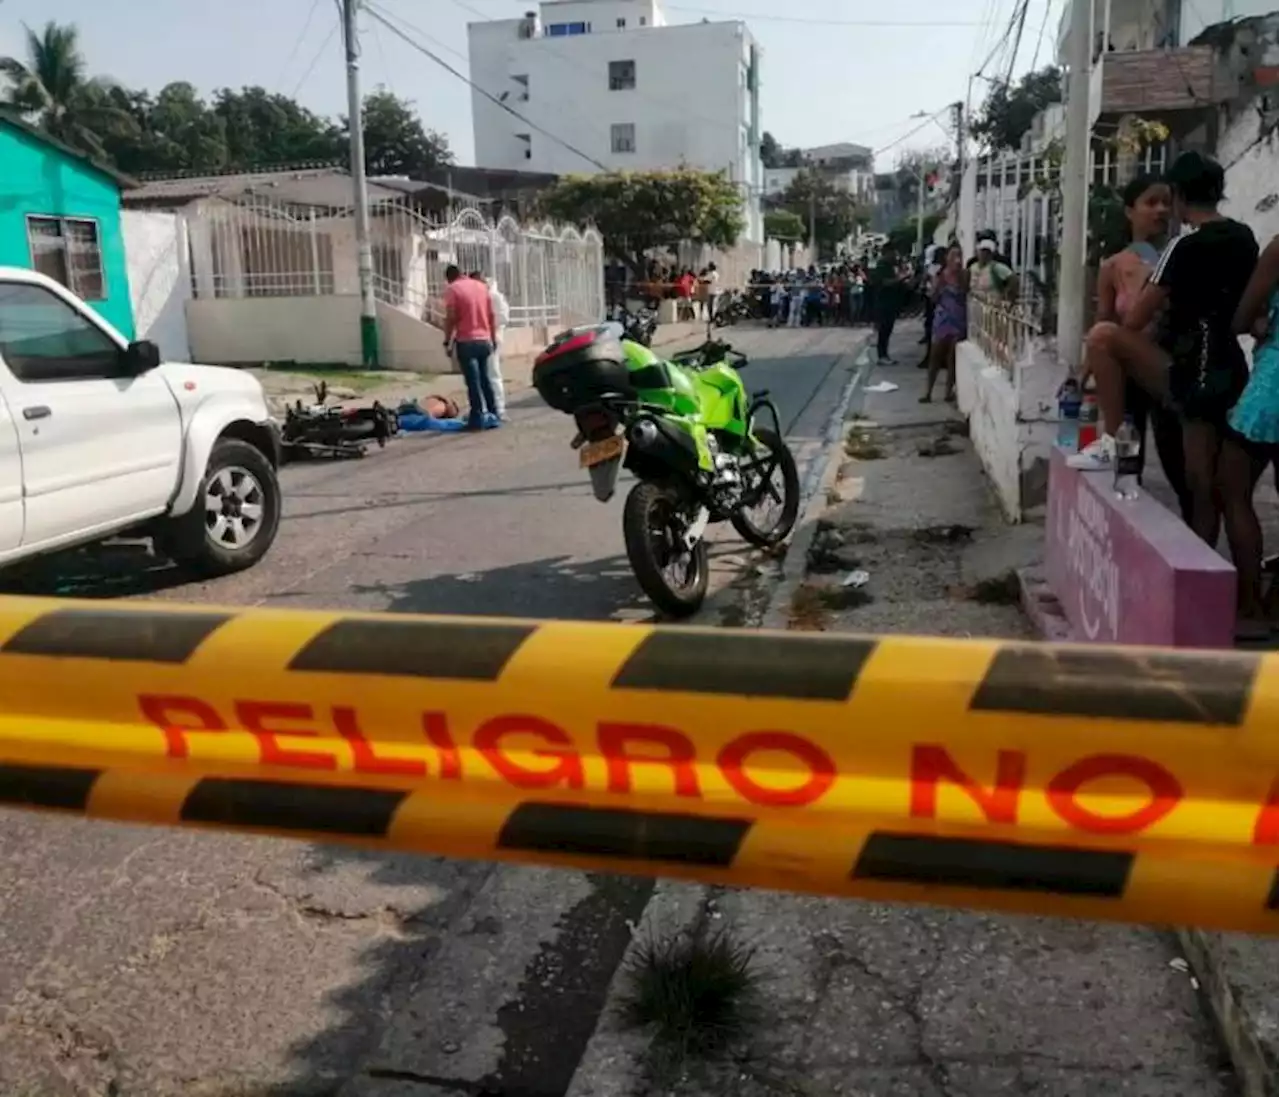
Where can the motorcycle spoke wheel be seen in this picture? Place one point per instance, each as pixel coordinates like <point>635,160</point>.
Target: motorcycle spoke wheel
<point>771,495</point>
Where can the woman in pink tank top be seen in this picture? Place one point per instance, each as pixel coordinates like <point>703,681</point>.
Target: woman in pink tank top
<point>1121,278</point>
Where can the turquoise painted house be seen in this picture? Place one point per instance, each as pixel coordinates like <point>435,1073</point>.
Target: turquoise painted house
<point>60,215</point>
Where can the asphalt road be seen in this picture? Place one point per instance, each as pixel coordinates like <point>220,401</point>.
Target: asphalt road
<point>137,962</point>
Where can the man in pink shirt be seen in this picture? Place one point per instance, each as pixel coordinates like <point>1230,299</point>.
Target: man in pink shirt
<point>470,329</point>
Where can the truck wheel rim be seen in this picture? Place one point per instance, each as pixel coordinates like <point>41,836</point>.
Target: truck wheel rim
<point>234,507</point>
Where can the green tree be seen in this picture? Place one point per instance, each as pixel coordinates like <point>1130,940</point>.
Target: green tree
<point>1008,111</point>
<point>395,140</point>
<point>640,212</point>
<point>264,128</point>
<point>770,151</point>
<point>50,85</point>
<point>836,213</point>
<point>783,224</point>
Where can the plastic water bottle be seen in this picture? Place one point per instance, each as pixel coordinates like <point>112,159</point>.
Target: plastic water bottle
<point>1087,433</point>
<point>1128,457</point>
<point>1069,415</point>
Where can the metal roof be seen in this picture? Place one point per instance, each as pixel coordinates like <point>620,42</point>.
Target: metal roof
<point>319,186</point>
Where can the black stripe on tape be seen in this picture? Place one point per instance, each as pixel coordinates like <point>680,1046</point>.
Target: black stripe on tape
<point>803,668</point>
<point>614,832</point>
<point>1271,895</point>
<point>1008,866</point>
<point>279,805</point>
<point>413,648</point>
<point>62,787</point>
<point>136,636</point>
<point>1161,687</point>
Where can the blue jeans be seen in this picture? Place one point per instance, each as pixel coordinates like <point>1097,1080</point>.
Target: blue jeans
<point>473,357</point>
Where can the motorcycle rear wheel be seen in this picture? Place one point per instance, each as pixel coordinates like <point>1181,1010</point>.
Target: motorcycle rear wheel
<point>767,535</point>
<point>651,529</point>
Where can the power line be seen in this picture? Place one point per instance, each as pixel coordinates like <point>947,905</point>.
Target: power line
<point>679,107</point>
<point>891,24</point>
<point>314,61</point>
<point>1017,43</point>
<point>302,34</point>
<point>1035,57</point>
<point>586,123</point>
<point>377,14</point>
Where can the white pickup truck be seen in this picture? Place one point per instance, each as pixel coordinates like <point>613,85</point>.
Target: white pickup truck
<point>98,437</point>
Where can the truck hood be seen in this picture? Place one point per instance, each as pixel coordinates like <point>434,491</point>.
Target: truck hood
<point>195,385</point>
<point>185,377</point>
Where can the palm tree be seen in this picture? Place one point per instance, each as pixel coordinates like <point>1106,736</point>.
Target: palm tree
<point>51,86</point>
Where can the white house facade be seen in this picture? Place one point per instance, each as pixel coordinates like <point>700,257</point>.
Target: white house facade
<point>625,88</point>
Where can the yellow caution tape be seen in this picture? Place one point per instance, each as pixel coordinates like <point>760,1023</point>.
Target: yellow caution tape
<point>1113,783</point>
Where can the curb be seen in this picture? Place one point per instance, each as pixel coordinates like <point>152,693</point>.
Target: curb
<point>822,478</point>
<point>1213,958</point>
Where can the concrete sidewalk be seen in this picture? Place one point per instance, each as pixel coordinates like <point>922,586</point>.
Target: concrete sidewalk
<point>876,1000</point>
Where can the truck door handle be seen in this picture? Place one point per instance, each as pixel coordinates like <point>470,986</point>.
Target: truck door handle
<point>40,411</point>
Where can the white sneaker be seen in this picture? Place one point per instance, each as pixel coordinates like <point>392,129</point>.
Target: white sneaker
<point>1098,456</point>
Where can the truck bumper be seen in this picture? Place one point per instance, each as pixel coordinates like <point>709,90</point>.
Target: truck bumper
<point>272,429</point>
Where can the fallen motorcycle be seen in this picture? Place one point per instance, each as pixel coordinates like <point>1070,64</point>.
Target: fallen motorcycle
<point>319,430</point>
<point>640,327</point>
<point>694,440</point>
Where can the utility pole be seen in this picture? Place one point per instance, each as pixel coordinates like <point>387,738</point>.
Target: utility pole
<point>813,217</point>
<point>1075,188</point>
<point>364,252</point>
<point>920,181</point>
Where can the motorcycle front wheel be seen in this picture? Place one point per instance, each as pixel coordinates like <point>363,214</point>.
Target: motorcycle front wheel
<point>776,486</point>
<point>673,576</point>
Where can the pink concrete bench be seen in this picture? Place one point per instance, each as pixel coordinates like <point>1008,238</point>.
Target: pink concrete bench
<point>1128,571</point>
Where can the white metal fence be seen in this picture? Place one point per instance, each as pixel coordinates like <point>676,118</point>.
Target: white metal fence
<point>1003,330</point>
<point>261,248</point>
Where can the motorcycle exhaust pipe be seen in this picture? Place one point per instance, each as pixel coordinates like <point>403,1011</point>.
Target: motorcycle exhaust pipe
<point>644,433</point>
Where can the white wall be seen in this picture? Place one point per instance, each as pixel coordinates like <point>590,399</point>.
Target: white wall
<point>276,329</point>
<point>155,251</point>
<point>1251,173</point>
<point>689,105</point>
<point>1012,421</point>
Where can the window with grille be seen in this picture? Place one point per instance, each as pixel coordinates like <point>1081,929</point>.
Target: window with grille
<point>622,75</point>
<point>622,136</point>
<point>69,251</point>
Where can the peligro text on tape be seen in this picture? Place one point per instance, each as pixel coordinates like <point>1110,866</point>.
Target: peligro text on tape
<point>765,768</point>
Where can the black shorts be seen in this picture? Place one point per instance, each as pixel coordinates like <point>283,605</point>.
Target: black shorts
<point>1207,395</point>
<point>1261,453</point>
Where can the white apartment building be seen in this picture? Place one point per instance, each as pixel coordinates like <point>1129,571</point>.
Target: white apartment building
<point>624,87</point>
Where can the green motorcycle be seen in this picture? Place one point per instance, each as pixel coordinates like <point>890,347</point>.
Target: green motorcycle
<point>692,437</point>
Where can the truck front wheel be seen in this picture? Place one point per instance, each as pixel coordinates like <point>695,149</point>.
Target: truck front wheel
<point>235,516</point>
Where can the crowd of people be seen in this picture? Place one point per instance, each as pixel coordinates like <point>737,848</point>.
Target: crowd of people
<point>1166,350</point>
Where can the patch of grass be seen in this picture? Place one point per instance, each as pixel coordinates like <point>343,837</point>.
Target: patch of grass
<point>808,610</point>
<point>996,590</point>
<point>697,993</point>
<point>842,597</point>
<point>953,534</point>
<point>863,446</point>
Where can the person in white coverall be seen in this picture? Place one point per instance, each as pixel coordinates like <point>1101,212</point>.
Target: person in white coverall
<point>501,317</point>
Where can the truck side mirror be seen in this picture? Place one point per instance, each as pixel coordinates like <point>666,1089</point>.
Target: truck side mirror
<point>140,357</point>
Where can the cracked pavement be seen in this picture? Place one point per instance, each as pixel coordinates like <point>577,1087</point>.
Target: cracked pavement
<point>149,963</point>
<point>869,1000</point>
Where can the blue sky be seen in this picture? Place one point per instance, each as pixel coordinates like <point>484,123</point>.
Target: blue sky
<point>830,74</point>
